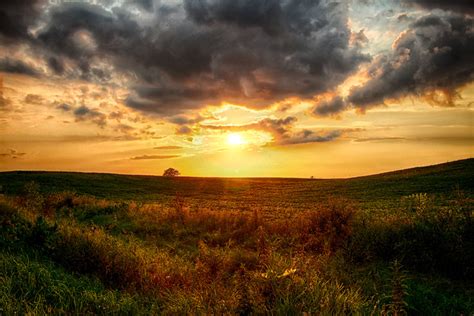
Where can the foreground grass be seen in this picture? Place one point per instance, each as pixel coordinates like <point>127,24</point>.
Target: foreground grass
<point>32,284</point>
<point>66,253</point>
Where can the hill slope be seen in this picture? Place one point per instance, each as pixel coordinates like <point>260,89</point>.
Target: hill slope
<point>288,249</point>
<point>442,178</point>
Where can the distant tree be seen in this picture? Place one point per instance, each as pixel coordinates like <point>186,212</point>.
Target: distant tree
<point>171,172</point>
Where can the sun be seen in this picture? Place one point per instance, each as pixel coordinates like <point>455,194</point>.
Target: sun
<point>235,139</point>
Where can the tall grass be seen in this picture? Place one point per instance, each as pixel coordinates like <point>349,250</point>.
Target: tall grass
<point>32,287</point>
<point>134,258</point>
<point>423,235</point>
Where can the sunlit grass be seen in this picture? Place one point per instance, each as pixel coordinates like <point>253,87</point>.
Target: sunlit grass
<point>71,253</point>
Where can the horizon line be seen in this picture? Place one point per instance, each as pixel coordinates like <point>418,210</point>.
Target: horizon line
<point>237,177</point>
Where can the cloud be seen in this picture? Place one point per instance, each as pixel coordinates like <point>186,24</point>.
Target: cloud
<point>56,65</point>
<point>359,38</point>
<point>183,130</point>
<point>379,139</point>
<point>117,115</point>
<point>436,54</point>
<point>404,17</point>
<point>461,6</point>
<point>12,154</point>
<point>124,128</point>
<point>185,119</point>
<point>278,128</point>
<point>34,99</point>
<point>143,4</point>
<point>167,147</point>
<point>18,67</point>
<point>329,107</point>
<point>282,131</point>
<point>83,113</point>
<point>267,15</point>
<point>86,138</point>
<point>168,101</point>
<point>307,136</point>
<point>177,58</point>
<point>185,57</point>
<point>17,16</point>
<point>64,107</point>
<point>149,157</point>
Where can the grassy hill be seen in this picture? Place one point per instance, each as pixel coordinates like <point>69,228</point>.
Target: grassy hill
<point>442,178</point>
<point>389,244</point>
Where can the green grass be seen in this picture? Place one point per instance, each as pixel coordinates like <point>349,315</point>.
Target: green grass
<point>30,284</point>
<point>389,244</point>
<point>241,191</point>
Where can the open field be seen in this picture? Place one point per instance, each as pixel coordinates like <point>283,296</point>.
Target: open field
<point>241,193</point>
<point>388,244</point>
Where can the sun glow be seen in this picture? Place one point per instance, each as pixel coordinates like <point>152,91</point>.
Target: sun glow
<point>235,139</point>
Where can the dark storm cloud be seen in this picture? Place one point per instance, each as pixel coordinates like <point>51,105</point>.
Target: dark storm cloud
<point>246,52</point>
<point>107,30</point>
<point>90,37</point>
<point>18,67</point>
<point>462,6</point>
<point>143,4</point>
<point>185,56</point>
<point>168,101</point>
<point>329,107</point>
<point>435,53</point>
<point>17,16</point>
<point>266,14</point>
<point>56,65</point>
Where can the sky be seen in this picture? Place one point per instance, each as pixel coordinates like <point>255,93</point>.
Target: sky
<point>235,88</point>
